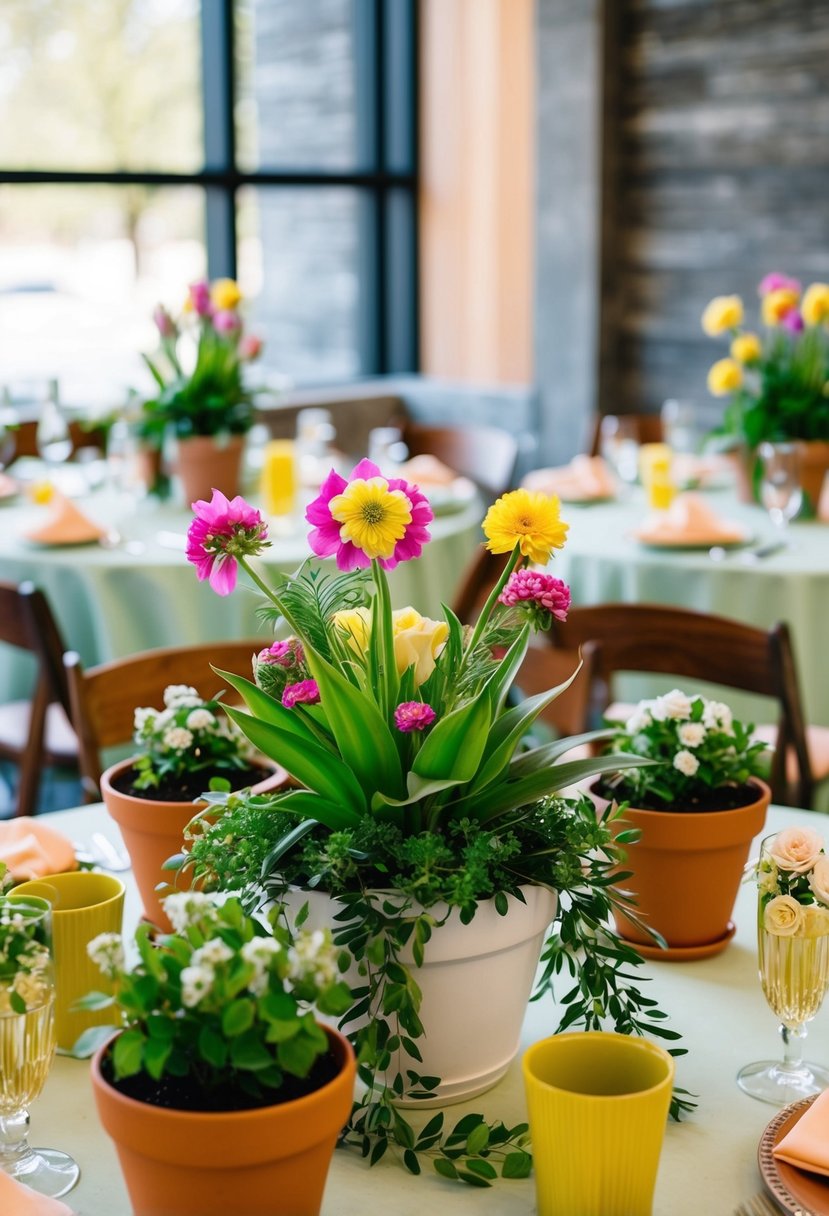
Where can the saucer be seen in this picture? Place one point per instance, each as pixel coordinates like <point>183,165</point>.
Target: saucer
<point>795,1190</point>
<point>684,954</point>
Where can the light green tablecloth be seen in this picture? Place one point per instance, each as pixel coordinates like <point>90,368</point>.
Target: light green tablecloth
<point>143,593</point>
<point>603,563</point>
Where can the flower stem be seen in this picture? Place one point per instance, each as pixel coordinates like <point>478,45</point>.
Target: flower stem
<point>270,594</point>
<point>486,611</point>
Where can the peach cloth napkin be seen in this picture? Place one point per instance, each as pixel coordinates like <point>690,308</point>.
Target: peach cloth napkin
<point>427,471</point>
<point>584,478</point>
<point>31,849</point>
<point>806,1146</point>
<point>19,1200</point>
<point>689,519</point>
<point>66,526</point>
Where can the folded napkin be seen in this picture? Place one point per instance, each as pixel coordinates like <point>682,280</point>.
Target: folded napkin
<point>16,1199</point>
<point>67,525</point>
<point>31,849</point>
<point>584,478</point>
<point>688,469</point>
<point>8,486</point>
<point>427,471</point>
<point>690,520</point>
<point>806,1146</point>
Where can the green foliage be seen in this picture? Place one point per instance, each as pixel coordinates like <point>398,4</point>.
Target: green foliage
<point>189,735</point>
<point>25,961</point>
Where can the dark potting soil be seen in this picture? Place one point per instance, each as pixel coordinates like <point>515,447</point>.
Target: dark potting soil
<point>726,798</point>
<point>182,1093</point>
<point>189,786</point>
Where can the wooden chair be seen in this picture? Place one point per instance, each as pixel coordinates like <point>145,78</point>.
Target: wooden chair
<point>647,427</point>
<point>104,698</point>
<point>484,454</point>
<point>25,438</point>
<point>697,646</point>
<point>35,734</point>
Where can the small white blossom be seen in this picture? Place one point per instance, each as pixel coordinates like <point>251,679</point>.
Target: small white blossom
<point>178,738</point>
<point>312,956</point>
<point>691,734</point>
<point>686,763</point>
<point>260,950</point>
<point>717,716</point>
<point>143,716</point>
<point>212,953</point>
<point>200,719</point>
<point>107,952</point>
<point>196,983</point>
<point>180,694</point>
<point>639,719</point>
<point>184,908</point>
<point>675,704</point>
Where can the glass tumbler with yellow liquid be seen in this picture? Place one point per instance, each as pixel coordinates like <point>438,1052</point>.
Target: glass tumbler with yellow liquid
<point>27,1042</point>
<point>793,956</point>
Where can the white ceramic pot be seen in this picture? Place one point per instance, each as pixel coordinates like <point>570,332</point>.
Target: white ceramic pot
<point>476,980</point>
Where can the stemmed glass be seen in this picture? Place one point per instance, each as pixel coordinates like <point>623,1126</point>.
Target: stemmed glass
<point>619,445</point>
<point>793,945</point>
<point>27,1042</point>
<point>54,441</point>
<point>780,491</point>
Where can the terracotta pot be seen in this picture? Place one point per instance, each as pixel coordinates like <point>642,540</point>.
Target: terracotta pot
<point>153,831</point>
<point>148,467</point>
<point>814,463</point>
<point>687,868</point>
<point>205,463</point>
<point>476,980</point>
<point>270,1161</point>
<point>743,460</point>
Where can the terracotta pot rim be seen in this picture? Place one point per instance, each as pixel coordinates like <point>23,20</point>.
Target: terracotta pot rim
<point>763,794</point>
<point>198,804</point>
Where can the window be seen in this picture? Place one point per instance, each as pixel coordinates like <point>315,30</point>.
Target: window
<point>145,143</point>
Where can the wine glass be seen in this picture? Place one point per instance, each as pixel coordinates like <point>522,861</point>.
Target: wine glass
<point>794,973</point>
<point>780,491</point>
<point>619,445</point>
<point>679,425</point>
<point>27,1042</point>
<point>54,441</point>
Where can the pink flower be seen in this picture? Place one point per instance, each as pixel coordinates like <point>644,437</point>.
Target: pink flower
<point>325,538</point>
<point>199,294</point>
<point>792,321</point>
<point>527,588</point>
<point>250,347</point>
<point>777,282</point>
<point>221,532</point>
<point>165,324</point>
<point>226,322</point>
<point>306,692</point>
<point>413,715</point>
<point>282,654</point>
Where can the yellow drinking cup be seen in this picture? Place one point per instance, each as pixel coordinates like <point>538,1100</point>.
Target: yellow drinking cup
<point>84,904</point>
<point>279,477</point>
<point>597,1108</point>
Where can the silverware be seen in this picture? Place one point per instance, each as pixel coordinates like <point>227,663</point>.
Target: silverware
<point>756,555</point>
<point>761,1205</point>
<point>101,852</point>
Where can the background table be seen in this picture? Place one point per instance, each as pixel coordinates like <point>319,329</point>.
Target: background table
<point>708,1163</point>
<point>143,592</point>
<point>603,563</point>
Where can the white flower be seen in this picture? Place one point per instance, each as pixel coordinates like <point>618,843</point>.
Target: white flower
<point>686,763</point>
<point>107,952</point>
<point>33,988</point>
<point>260,950</point>
<point>717,716</point>
<point>691,734</point>
<point>675,704</point>
<point>163,719</point>
<point>313,957</point>
<point>184,908</point>
<point>143,717</point>
<point>640,718</point>
<point>196,982</point>
<point>180,694</point>
<point>177,738</point>
<point>212,953</point>
<point>200,719</point>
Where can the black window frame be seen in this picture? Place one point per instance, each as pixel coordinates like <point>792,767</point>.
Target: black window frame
<point>385,46</point>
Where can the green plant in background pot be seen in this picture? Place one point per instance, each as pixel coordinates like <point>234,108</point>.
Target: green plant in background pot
<point>221,1091</point>
<point>696,810</point>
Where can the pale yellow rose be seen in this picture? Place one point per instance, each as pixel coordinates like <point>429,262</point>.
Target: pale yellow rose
<point>417,642</point>
<point>355,624</point>
<point>796,849</point>
<point>724,312</point>
<point>724,377</point>
<point>815,306</point>
<point>819,879</point>
<point>746,348</point>
<point>777,304</point>
<point>815,921</point>
<point>225,294</point>
<point>783,916</point>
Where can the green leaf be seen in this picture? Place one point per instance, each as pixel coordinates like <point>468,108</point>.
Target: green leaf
<point>212,1047</point>
<point>548,753</point>
<point>249,1053</point>
<point>266,709</point>
<point>500,682</point>
<point>127,1053</point>
<point>453,748</point>
<point>297,1055</point>
<point>88,1043</point>
<point>93,1001</point>
<point>411,1162</point>
<point>478,1139</point>
<point>517,1165</point>
<point>483,1168</point>
<point>237,1017</point>
<point>156,1054</point>
<point>445,1168</point>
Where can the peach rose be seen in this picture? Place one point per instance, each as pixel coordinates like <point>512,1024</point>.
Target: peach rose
<point>815,921</point>
<point>783,916</point>
<point>796,849</point>
<point>819,879</point>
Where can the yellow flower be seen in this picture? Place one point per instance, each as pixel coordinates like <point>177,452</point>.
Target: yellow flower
<point>815,306</point>
<point>418,641</point>
<point>529,520</point>
<point>724,377</point>
<point>777,303</point>
<point>225,294</point>
<point>372,516</point>
<point>746,348</point>
<point>42,492</point>
<point>356,624</point>
<point>724,312</point>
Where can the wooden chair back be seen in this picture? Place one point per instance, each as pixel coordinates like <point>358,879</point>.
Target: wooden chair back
<point>698,646</point>
<point>27,623</point>
<point>25,438</point>
<point>104,698</point>
<point>647,427</point>
<point>485,454</point>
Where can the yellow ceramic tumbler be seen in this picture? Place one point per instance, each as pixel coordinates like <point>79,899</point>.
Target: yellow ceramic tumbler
<point>84,904</point>
<point>279,477</point>
<point>597,1107</point>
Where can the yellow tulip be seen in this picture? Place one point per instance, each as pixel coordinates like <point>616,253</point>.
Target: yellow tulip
<point>225,294</point>
<point>723,313</point>
<point>417,642</point>
<point>724,377</point>
<point>815,306</point>
<point>746,348</point>
<point>777,304</point>
<point>355,624</point>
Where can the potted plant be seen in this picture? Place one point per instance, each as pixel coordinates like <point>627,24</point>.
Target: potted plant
<point>776,384</point>
<point>423,809</point>
<point>695,809</point>
<point>220,1090</point>
<point>186,748</point>
<point>202,398</point>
